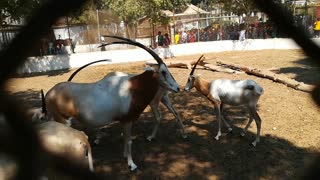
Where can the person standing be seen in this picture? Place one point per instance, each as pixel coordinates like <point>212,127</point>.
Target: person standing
<point>160,39</point>
<point>177,38</point>
<point>317,28</point>
<point>166,45</point>
<point>242,33</point>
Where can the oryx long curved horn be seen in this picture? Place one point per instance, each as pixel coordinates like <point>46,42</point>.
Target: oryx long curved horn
<point>44,107</point>
<point>131,42</point>
<point>79,69</point>
<point>195,65</point>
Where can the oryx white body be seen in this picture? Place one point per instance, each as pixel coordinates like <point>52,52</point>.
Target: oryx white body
<point>162,95</point>
<point>59,139</point>
<point>102,101</point>
<point>62,140</point>
<point>231,92</point>
<point>234,92</point>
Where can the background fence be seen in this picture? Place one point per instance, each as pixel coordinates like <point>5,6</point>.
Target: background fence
<point>184,28</point>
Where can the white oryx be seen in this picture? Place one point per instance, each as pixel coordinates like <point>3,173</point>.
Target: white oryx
<point>113,98</point>
<point>161,95</point>
<point>63,140</point>
<point>58,139</point>
<point>231,92</point>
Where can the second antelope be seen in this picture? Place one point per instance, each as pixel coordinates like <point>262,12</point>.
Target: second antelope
<point>113,98</point>
<point>231,92</point>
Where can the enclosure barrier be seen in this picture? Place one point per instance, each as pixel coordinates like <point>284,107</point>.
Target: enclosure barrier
<point>69,61</point>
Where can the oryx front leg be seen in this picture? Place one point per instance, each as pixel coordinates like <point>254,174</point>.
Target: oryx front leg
<point>244,131</point>
<point>257,119</point>
<point>157,117</point>
<point>224,120</point>
<point>127,146</point>
<point>166,101</point>
<point>217,108</point>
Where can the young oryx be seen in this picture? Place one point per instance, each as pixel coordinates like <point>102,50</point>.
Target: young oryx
<point>231,92</point>
<point>113,98</point>
<point>59,139</point>
<point>161,95</point>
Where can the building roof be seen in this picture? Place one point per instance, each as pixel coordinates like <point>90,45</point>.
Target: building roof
<point>192,9</point>
<point>167,12</point>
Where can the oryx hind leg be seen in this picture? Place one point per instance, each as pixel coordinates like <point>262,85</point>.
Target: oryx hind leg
<point>166,101</point>
<point>223,117</point>
<point>157,117</point>
<point>127,145</point>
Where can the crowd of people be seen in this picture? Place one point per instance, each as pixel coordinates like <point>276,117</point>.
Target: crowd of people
<point>162,43</point>
<point>257,30</point>
<point>262,30</point>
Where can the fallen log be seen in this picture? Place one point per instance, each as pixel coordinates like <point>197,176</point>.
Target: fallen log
<point>217,68</point>
<point>177,63</point>
<point>270,75</point>
<point>189,63</point>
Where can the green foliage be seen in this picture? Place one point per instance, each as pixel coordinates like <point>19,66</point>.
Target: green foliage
<point>17,9</point>
<point>85,15</point>
<point>238,6</point>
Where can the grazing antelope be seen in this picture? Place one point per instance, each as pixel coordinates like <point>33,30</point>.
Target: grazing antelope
<point>59,139</point>
<point>231,92</point>
<point>113,98</point>
<point>161,95</point>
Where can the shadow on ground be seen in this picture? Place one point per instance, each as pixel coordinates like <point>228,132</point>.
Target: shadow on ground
<point>308,71</point>
<point>199,156</point>
<point>29,98</point>
<point>48,73</point>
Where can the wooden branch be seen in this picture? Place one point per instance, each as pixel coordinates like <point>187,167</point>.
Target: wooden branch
<point>217,68</point>
<point>177,63</point>
<point>270,75</point>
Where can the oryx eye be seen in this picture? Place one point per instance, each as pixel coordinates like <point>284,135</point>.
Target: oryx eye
<point>163,73</point>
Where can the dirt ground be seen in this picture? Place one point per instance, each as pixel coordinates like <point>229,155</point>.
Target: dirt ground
<point>290,124</point>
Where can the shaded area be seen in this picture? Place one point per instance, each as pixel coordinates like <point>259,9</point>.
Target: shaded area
<point>307,71</point>
<point>199,156</point>
<point>48,73</point>
<point>29,98</point>
<point>278,156</point>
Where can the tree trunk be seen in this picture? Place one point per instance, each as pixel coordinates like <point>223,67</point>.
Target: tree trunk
<point>270,75</point>
<point>176,63</point>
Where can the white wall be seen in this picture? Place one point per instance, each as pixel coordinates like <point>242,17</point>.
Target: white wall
<point>47,63</point>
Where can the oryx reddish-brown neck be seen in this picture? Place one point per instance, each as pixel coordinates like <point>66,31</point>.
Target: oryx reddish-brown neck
<point>202,86</point>
<point>143,88</point>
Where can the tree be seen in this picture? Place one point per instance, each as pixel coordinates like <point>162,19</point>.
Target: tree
<point>130,11</point>
<point>17,9</point>
<point>238,6</point>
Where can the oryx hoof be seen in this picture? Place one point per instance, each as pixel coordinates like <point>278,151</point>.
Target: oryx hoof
<point>150,138</point>
<point>242,134</point>
<point>217,138</point>
<point>133,167</point>
<point>254,144</point>
<point>184,136</point>
<point>96,142</point>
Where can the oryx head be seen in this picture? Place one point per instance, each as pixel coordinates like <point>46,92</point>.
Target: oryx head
<point>166,79</point>
<point>191,77</point>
